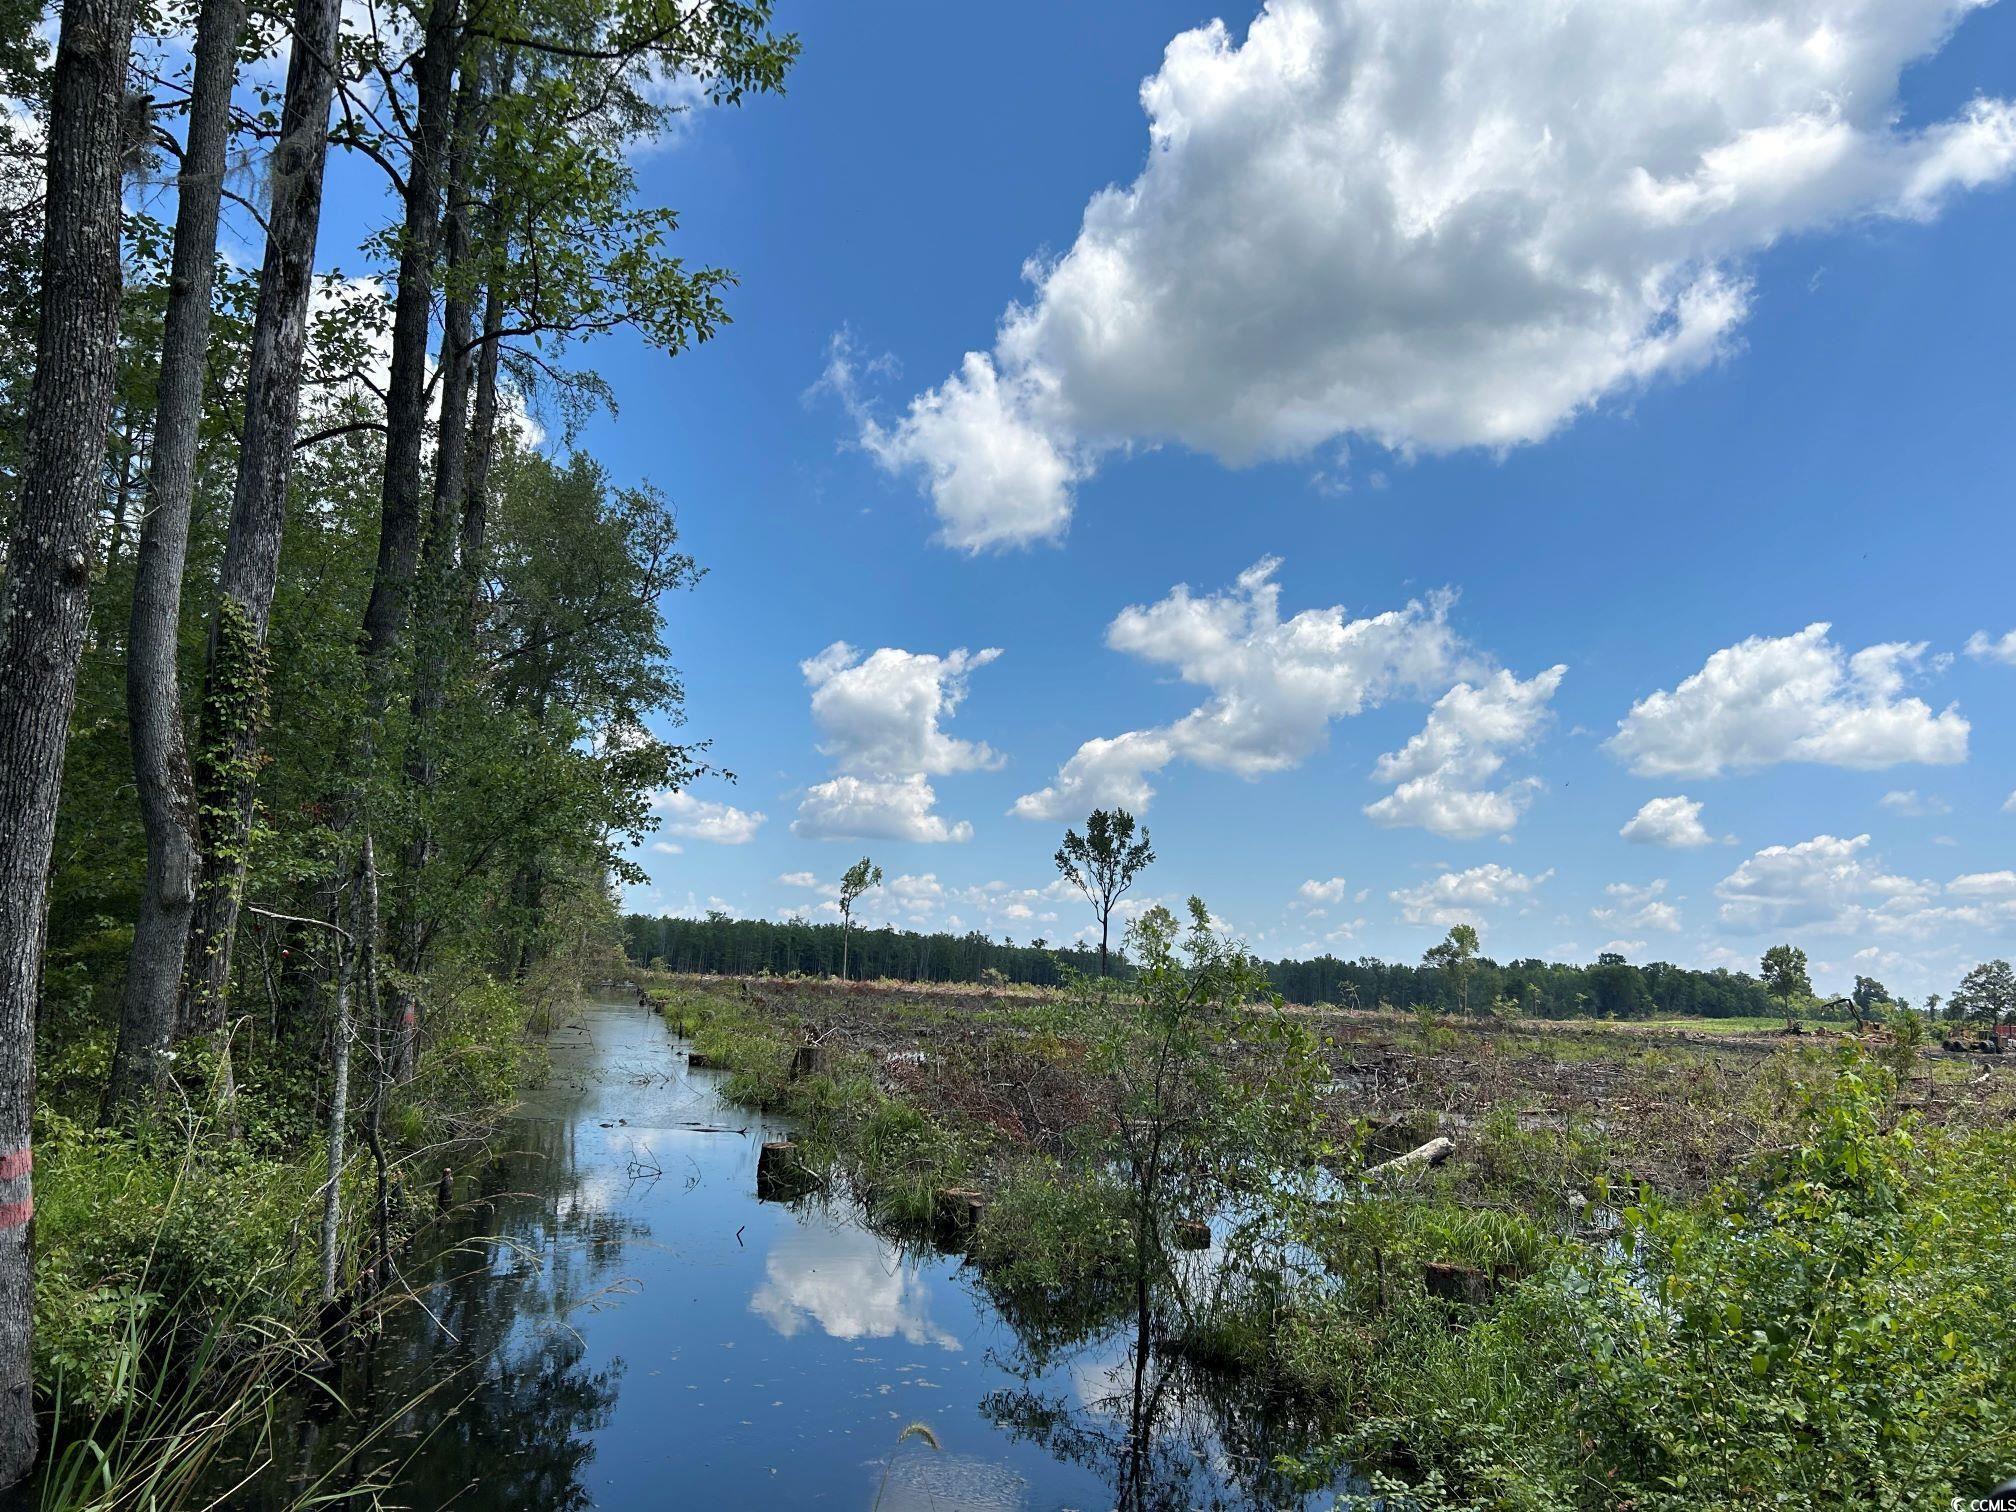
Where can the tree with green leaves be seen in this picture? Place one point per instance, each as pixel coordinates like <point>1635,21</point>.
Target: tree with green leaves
<point>1785,978</point>
<point>860,878</point>
<point>1102,864</point>
<point>1456,958</point>
<point>1986,995</point>
<point>1870,999</point>
<point>1212,1112</point>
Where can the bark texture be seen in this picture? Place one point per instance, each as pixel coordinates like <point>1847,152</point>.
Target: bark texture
<point>399,516</point>
<point>234,681</point>
<point>161,768</point>
<point>44,607</point>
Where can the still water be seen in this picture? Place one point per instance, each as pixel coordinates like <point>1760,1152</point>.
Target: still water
<point>629,1328</point>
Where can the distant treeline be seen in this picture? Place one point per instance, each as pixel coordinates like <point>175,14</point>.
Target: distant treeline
<point>726,946</point>
<point>1612,987</point>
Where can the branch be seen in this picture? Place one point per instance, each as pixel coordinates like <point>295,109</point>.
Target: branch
<point>267,913</point>
<point>332,432</point>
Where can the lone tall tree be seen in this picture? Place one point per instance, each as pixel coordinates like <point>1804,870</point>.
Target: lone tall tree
<point>861,876</point>
<point>1103,862</point>
<point>1456,958</point>
<point>1785,978</point>
<point>45,605</point>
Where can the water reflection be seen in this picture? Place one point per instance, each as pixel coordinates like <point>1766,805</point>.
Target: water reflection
<point>618,1323</point>
<point>851,1284</point>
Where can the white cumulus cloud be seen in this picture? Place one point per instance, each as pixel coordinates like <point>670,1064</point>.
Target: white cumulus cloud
<point>867,808</point>
<point>1982,648</point>
<point>1442,775</point>
<point>1274,685</point>
<point>1828,884</point>
<point>1331,891</point>
<point>1790,698</point>
<point>1674,821</point>
<point>697,819</point>
<point>1433,224</point>
<point>1455,897</point>
<point>880,717</point>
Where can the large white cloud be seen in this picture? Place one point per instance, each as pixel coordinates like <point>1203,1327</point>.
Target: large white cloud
<point>1433,224</point>
<point>1829,884</point>
<point>880,718</point>
<point>1790,698</point>
<point>698,819</point>
<point>867,808</point>
<point>1274,685</point>
<point>1442,775</point>
<point>1456,897</point>
<point>880,712</point>
<point>1674,821</point>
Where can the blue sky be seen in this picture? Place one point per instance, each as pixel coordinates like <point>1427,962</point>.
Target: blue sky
<point>1663,340</point>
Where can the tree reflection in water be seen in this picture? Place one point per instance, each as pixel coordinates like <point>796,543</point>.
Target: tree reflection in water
<point>477,1390</point>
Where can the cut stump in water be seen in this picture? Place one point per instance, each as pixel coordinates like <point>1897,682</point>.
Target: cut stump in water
<point>955,1213</point>
<point>1193,1234</point>
<point>780,1175</point>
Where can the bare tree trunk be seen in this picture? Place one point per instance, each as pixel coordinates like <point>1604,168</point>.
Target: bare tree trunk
<point>153,690</point>
<point>436,618</point>
<point>399,521</point>
<point>339,1105</point>
<point>482,449</point>
<point>234,681</point>
<point>44,608</point>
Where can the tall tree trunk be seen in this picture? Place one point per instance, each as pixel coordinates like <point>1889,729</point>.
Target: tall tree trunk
<point>436,618</point>
<point>234,680</point>
<point>44,607</point>
<point>399,520</point>
<point>339,1093</point>
<point>482,450</point>
<point>153,689</point>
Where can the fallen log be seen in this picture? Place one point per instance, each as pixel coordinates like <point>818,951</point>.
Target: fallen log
<point>1432,1153</point>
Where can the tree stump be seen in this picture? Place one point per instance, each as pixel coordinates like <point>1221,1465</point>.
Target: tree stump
<point>1458,1283</point>
<point>444,1194</point>
<point>780,1175</point>
<point>1193,1234</point>
<point>809,1060</point>
<point>955,1214</point>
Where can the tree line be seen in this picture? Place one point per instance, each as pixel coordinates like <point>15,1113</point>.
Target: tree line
<point>1612,987</point>
<point>321,688</point>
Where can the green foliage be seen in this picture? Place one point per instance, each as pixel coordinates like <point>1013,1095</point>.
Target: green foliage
<point>1784,972</point>
<point>1986,995</point>
<point>1456,958</point>
<point>1830,1329</point>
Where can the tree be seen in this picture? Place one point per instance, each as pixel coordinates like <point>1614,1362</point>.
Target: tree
<point>1870,999</point>
<point>234,683</point>
<point>1785,978</point>
<point>1456,958</point>
<point>1211,1096</point>
<point>45,606</point>
<point>153,683</point>
<point>861,876</point>
<point>1986,995</point>
<point>1103,863</point>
